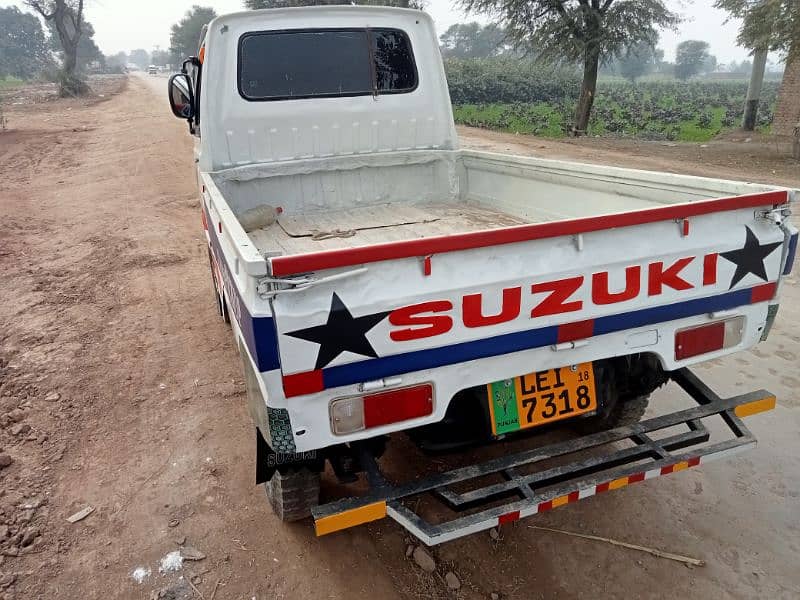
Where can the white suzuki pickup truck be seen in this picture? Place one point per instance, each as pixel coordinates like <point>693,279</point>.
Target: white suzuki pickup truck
<point>378,280</point>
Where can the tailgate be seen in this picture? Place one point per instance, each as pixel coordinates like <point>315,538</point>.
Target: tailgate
<point>362,314</point>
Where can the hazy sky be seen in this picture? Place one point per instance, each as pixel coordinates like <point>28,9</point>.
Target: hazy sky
<point>129,24</point>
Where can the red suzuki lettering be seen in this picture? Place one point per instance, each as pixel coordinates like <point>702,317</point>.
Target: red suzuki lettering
<point>633,284</point>
<point>419,323</point>
<point>560,291</point>
<point>710,269</point>
<point>472,308</point>
<point>658,276</point>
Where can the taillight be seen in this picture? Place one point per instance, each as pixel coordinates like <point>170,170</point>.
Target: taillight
<point>372,410</point>
<point>701,339</point>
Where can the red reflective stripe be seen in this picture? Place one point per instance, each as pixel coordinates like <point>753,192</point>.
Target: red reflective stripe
<point>303,383</point>
<point>667,470</point>
<point>693,462</point>
<point>508,517</point>
<point>763,292</point>
<point>575,331</point>
<point>574,496</point>
<point>426,268</point>
<point>543,506</point>
<point>685,227</point>
<point>329,259</point>
<point>603,487</point>
<point>636,478</point>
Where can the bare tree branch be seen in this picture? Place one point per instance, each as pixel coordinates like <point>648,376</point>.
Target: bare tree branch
<point>39,7</point>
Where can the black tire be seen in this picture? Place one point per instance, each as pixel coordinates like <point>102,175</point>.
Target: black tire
<point>294,494</point>
<point>620,414</point>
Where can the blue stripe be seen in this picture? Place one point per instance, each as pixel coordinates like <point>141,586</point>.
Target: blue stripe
<point>259,333</point>
<point>438,357</point>
<point>408,362</point>
<point>791,254</point>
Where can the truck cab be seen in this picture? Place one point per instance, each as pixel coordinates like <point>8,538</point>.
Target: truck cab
<point>379,280</point>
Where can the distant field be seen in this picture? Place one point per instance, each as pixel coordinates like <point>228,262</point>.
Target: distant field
<point>9,82</point>
<point>658,110</point>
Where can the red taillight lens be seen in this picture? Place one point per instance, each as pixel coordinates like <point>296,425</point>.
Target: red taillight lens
<point>701,339</point>
<point>398,405</point>
<point>372,410</point>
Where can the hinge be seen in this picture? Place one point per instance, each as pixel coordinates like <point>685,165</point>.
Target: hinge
<point>269,287</point>
<point>775,215</point>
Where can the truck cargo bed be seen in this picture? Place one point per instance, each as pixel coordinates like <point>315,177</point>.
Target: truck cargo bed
<point>375,224</point>
<point>336,203</point>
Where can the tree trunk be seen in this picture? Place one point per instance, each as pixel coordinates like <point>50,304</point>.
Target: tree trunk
<point>591,64</point>
<point>754,89</point>
<point>70,83</point>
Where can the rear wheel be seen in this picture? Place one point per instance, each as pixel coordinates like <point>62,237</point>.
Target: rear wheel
<point>292,495</point>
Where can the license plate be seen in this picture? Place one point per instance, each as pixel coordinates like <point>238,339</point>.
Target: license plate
<point>540,398</point>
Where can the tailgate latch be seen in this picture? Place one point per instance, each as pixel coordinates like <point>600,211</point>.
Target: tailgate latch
<point>775,215</point>
<point>270,287</point>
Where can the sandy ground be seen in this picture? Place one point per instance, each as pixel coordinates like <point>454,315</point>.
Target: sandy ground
<point>120,389</point>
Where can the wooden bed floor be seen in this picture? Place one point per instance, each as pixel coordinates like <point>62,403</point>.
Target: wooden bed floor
<point>374,225</point>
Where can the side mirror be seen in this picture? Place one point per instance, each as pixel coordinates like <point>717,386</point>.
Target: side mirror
<point>181,96</point>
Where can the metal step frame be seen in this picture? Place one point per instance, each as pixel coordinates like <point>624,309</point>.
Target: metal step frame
<point>541,490</point>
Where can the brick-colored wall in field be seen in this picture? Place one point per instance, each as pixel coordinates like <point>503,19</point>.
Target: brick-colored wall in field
<point>787,113</point>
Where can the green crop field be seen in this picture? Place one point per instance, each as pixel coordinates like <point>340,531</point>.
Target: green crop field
<point>9,82</point>
<point>519,96</point>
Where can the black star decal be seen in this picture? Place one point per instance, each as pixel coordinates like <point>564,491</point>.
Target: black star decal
<point>342,333</point>
<point>750,259</point>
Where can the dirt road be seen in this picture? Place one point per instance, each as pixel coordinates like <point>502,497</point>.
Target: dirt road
<point>120,389</point>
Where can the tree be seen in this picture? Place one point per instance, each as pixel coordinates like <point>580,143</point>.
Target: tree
<point>257,4</point>
<point>766,25</point>
<point>638,60</point>
<point>87,52</point>
<point>160,57</point>
<point>578,30</point>
<point>139,57</point>
<point>67,17</point>
<point>774,24</point>
<point>23,46</point>
<point>184,39</point>
<point>690,56</point>
<point>472,40</point>
<point>117,63</point>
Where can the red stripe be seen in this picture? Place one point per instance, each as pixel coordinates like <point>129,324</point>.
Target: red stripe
<point>574,496</point>
<point>693,462</point>
<point>543,506</point>
<point>636,478</point>
<point>330,259</point>
<point>579,330</point>
<point>763,292</point>
<point>603,487</point>
<point>685,227</point>
<point>427,266</point>
<point>667,470</point>
<point>303,383</point>
<point>508,517</point>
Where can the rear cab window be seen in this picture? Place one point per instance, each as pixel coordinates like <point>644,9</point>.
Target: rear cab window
<point>325,63</point>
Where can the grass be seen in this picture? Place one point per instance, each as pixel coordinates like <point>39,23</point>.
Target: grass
<point>10,82</point>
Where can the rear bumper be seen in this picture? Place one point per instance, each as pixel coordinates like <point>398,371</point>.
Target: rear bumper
<point>586,466</point>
